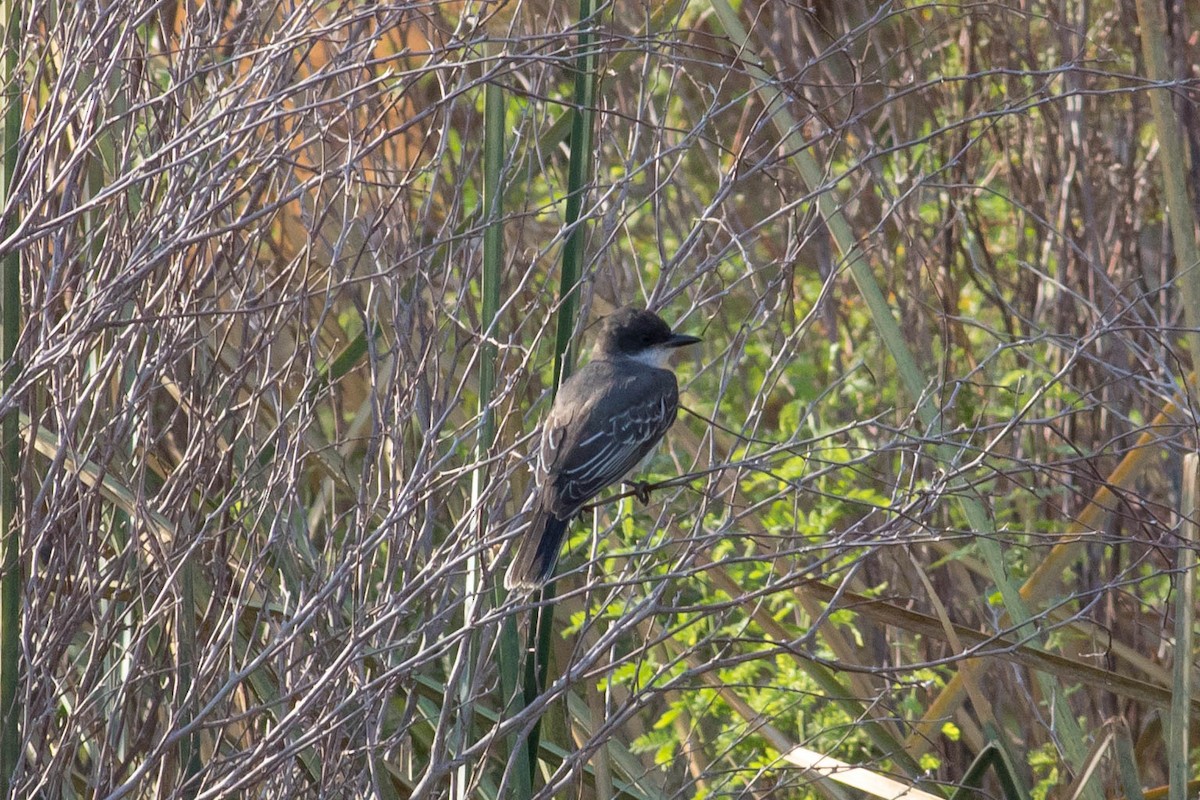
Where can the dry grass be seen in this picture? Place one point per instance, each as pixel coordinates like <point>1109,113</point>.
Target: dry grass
<point>251,242</point>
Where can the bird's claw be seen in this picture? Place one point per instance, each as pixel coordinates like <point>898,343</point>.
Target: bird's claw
<point>641,490</point>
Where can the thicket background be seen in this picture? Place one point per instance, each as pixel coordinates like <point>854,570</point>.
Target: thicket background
<point>270,443</point>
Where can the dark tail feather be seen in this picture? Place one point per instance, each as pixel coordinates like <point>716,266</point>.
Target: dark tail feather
<point>537,553</point>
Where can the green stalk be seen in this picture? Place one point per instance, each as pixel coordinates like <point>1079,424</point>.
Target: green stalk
<point>493,255</point>
<point>994,757</point>
<point>493,263</point>
<point>186,698</point>
<point>1127,767</point>
<point>537,666</point>
<point>579,171</point>
<point>1173,159</point>
<point>10,330</point>
<point>1181,218</point>
<point>1179,719</point>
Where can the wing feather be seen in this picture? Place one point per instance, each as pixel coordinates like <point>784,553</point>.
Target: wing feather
<point>603,424</point>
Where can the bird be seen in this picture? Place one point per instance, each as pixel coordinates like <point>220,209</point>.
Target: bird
<point>606,419</point>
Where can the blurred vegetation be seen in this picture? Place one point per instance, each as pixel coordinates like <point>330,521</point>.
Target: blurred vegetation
<point>273,451</point>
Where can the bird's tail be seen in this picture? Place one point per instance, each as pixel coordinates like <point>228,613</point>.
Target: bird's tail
<point>537,553</point>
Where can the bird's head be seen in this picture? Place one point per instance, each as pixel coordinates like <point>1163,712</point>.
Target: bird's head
<point>639,334</point>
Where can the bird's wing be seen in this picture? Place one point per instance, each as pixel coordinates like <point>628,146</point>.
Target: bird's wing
<point>590,442</point>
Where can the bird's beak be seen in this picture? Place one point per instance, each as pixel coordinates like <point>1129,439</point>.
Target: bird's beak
<point>681,339</point>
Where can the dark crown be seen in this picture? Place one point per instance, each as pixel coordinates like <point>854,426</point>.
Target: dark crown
<point>632,330</point>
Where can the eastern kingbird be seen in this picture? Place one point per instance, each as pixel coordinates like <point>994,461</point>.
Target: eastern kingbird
<point>606,418</point>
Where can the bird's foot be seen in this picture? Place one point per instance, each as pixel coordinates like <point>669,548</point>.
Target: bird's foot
<point>641,490</point>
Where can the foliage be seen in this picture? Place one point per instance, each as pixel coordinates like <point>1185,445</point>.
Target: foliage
<point>273,455</point>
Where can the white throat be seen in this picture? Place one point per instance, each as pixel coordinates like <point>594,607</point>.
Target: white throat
<point>658,357</point>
